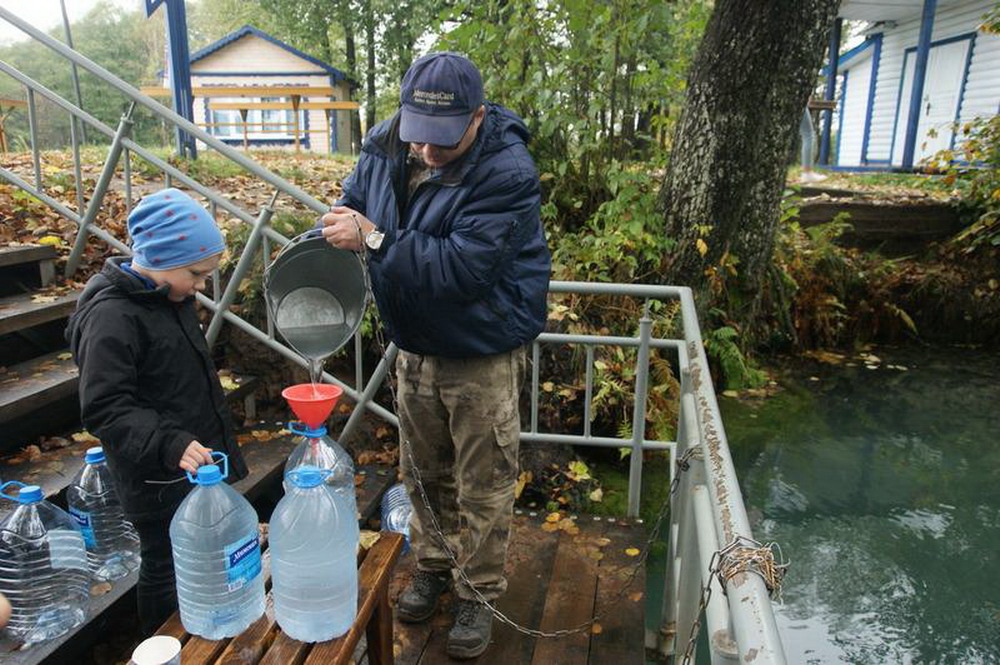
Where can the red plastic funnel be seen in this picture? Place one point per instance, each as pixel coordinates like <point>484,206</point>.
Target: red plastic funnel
<point>312,402</point>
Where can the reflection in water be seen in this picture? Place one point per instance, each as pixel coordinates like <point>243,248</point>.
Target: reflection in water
<point>883,489</point>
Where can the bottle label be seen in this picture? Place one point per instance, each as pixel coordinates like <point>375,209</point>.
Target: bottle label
<point>243,561</point>
<point>82,519</point>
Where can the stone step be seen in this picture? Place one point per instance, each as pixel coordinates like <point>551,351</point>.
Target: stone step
<point>30,386</point>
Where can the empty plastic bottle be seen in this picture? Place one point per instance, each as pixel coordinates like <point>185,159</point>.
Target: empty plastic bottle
<point>396,512</point>
<point>314,545</point>
<point>316,449</point>
<point>216,546</point>
<point>112,542</point>
<point>43,567</point>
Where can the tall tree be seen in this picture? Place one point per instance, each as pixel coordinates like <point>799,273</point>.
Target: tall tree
<point>747,88</point>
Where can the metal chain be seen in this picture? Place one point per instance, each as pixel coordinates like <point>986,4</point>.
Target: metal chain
<point>682,465</point>
<point>739,556</point>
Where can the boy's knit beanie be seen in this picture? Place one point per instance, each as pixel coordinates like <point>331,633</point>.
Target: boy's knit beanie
<point>169,229</point>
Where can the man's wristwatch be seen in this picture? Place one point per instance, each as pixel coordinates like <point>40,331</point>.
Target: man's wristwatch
<point>374,239</point>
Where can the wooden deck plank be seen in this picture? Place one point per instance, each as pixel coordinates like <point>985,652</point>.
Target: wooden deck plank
<point>620,608</point>
<point>251,645</point>
<point>24,310</point>
<point>570,598</point>
<point>530,560</point>
<point>285,651</point>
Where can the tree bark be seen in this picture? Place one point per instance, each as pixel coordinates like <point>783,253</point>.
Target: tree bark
<point>749,82</point>
<point>351,54</point>
<point>370,99</point>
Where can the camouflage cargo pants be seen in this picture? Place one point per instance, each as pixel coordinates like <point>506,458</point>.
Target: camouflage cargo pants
<point>461,419</point>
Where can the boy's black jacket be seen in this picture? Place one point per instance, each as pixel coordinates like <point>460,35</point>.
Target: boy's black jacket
<point>148,387</point>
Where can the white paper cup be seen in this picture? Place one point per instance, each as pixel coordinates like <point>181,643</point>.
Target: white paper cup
<point>158,650</point>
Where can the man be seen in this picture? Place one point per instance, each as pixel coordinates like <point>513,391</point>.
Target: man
<point>445,202</point>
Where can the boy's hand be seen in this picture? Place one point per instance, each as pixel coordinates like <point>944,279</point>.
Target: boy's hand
<point>194,456</point>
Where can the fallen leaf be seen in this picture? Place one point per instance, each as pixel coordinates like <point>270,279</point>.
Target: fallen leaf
<point>100,588</point>
<point>635,596</point>
<point>632,551</point>
<point>702,246</point>
<point>65,356</point>
<point>368,538</point>
<point>602,542</point>
<point>84,436</point>
<point>39,298</point>
<point>596,628</point>
<point>553,517</point>
<point>550,526</point>
<point>597,495</point>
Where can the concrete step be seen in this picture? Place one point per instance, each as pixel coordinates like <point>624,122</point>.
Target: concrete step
<point>24,310</point>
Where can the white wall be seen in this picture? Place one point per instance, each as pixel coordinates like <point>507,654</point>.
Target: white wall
<point>982,94</point>
<point>854,106</point>
<point>256,55</point>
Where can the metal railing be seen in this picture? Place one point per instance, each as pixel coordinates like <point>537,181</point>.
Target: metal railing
<point>706,513</point>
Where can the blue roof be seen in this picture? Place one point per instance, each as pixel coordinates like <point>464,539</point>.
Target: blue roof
<point>847,56</point>
<point>250,30</point>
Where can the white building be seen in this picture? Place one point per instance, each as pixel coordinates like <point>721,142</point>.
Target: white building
<point>875,79</point>
<point>250,58</point>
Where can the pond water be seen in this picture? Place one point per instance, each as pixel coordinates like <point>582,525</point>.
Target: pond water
<point>882,486</point>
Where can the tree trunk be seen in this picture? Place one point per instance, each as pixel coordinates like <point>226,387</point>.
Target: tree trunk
<point>749,82</point>
<point>351,54</point>
<point>370,74</point>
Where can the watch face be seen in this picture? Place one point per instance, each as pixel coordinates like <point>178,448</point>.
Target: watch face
<point>374,240</point>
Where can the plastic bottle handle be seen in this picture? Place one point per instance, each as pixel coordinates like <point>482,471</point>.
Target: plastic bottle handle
<point>225,467</point>
<point>3,487</point>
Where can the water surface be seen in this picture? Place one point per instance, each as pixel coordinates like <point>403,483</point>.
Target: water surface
<point>883,488</point>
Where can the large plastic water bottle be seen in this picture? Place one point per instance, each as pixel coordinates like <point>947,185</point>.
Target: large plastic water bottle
<point>112,542</point>
<point>314,545</point>
<point>216,546</point>
<point>316,449</point>
<point>43,567</point>
<point>396,512</point>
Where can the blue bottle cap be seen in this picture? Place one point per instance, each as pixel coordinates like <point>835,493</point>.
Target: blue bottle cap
<point>209,474</point>
<point>307,476</point>
<point>94,455</point>
<point>30,494</point>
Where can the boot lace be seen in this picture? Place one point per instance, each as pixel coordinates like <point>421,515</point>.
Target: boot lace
<point>468,611</point>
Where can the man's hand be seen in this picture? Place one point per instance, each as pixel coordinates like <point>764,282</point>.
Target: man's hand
<point>194,456</point>
<point>345,228</point>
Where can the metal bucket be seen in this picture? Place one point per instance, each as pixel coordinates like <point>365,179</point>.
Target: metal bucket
<point>316,294</point>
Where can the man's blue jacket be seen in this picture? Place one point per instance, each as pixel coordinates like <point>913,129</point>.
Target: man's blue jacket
<point>463,269</point>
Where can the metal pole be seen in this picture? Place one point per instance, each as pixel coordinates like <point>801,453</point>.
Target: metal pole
<point>108,172</point>
<point>242,268</point>
<point>639,412</point>
<point>722,648</point>
<point>33,131</point>
<point>831,90</point>
<point>378,376</point>
<point>77,173</point>
<point>919,74</point>
<point>76,77</point>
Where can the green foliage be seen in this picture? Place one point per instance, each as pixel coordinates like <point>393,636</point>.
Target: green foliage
<point>597,83</point>
<point>977,180</point>
<point>623,241</point>
<point>722,347</point>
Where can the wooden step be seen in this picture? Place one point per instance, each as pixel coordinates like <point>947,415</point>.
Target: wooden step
<point>29,386</point>
<point>12,256</point>
<point>43,255</point>
<point>25,310</point>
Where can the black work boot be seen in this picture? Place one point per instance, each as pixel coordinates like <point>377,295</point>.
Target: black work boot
<point>418,602</point>
<point>470,634</point>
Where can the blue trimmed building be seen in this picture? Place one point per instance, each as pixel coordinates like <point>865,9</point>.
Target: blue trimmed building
<point>250,57</point>
<point>876,123</point>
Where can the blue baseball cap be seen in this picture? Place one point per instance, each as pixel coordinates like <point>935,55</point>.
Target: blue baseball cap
<point>439,94</point>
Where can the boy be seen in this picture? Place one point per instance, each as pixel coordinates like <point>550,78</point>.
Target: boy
<point>148,388</point>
